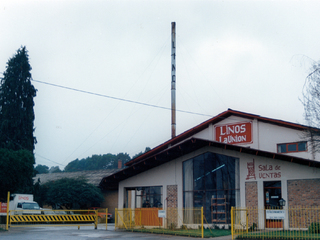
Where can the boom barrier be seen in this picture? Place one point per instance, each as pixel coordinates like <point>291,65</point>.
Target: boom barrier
<point>53,218</point>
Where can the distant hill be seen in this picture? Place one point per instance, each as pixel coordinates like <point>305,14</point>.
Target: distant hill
<point>97,162</point>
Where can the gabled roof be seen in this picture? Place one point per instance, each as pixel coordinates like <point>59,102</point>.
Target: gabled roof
<point>188,146</point>
<point>186,143</point>
<point>93,177</point>
<point>189,133</point>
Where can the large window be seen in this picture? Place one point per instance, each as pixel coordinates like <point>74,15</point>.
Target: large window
<point>144,197</point>
<point>211,180</point>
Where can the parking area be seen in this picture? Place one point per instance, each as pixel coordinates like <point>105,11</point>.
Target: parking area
<point>85,233</point>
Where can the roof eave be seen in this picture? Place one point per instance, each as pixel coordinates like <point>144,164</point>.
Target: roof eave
<point>186,147</point>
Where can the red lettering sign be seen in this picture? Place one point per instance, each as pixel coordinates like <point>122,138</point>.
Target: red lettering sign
<point>26,198</point>
<point>235,133</point>
<point>3,207</point>
<point>265,171</point>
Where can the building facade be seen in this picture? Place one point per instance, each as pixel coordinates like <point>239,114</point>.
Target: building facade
<point>234,159</point>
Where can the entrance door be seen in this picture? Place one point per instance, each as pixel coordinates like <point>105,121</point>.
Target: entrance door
<point>272,195</point>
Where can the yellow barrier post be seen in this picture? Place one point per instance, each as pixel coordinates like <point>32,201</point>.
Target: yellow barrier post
<point>8,200</point>
<point>130,217</point>
<point>232,220</point>
<point>96,221</point>
<point>106,218</point>
<point>115,218</point>
<point>201,222</point>
<point>247,220</point>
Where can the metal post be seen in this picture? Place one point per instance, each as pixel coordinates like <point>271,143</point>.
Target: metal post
<point>201,222</point>
<point>96,221</point>
<point>115,218</point>
<point>8,200</point>
<point>106,218</point>
<point>232,222</point>
<point>173,80</point>
<point>130,216</point>
<point>247,220</point>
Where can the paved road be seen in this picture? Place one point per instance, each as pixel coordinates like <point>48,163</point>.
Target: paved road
<point>85,233</point>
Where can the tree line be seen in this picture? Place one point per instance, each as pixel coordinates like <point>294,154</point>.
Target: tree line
<point>95,162</point>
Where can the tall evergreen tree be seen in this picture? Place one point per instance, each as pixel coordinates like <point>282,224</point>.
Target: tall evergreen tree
<point>16,172</point>
<point>16,104</point>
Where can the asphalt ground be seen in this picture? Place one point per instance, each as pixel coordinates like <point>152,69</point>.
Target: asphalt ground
<point>84,233</point>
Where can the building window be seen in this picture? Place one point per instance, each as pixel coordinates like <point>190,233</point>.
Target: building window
<point>210,180</point>
<point>292,147</point>
<point>143,197</point>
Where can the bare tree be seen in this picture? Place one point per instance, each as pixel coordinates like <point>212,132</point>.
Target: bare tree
<point>311,102</point>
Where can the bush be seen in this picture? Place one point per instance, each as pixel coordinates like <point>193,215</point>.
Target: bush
<point>314,227</point>
<point>172,226</point>
<point>253,227</point>
<point>184,227</point>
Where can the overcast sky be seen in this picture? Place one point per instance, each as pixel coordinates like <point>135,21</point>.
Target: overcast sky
<point>251,56</point>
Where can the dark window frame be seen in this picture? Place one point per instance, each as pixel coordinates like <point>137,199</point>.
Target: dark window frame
<point>208,193</point>
<point>287,145</point>
<point>149,194</point>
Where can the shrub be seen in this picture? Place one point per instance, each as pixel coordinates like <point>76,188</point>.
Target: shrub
<point>314,227</point>
<point>184,227</point>
<point>172,226</point>
<point>253,227</point>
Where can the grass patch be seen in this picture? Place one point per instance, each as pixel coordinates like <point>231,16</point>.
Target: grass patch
<point>186,232</point>
<point>285,235</point>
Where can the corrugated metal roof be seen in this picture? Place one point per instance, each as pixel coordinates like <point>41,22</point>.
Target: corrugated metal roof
<point>93,177</point>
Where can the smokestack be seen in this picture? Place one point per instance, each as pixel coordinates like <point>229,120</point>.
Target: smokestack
<point>119,164</point>
<point>173,80</point>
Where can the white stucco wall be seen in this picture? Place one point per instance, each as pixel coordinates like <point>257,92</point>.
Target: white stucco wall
<point>273,170</point>
<point>271,135</point>
<point>265,169</point>
<point>265,136</point>
<point>170,173</point>
<point>167,174</point>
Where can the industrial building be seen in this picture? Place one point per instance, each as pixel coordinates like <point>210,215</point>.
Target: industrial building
<point>233,159</point>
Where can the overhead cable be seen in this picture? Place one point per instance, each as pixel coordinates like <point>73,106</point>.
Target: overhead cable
<point>119,99</point>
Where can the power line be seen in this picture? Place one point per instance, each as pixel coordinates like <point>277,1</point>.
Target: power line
<point>49,160</point>
<point>119,99</point>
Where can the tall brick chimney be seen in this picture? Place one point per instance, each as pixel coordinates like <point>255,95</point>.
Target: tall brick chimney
<point>119,164</point>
